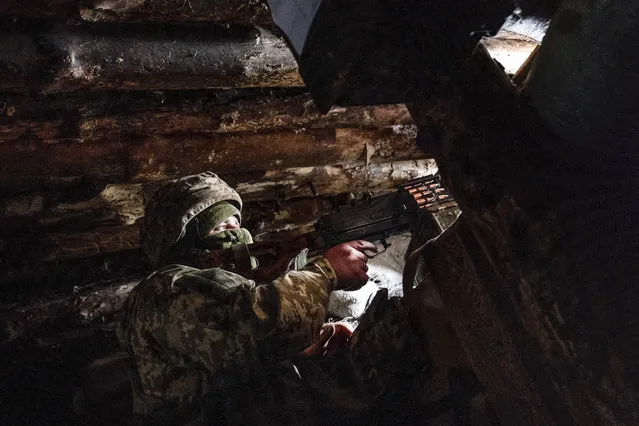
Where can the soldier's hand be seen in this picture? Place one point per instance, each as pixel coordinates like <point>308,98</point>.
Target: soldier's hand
<point>332,340</point>
<point>349,262</point>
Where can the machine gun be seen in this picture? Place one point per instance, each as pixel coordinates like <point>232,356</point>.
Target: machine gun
<point>374,219</point>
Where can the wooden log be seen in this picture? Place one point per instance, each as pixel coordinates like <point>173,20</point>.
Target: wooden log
<point>28,281</point>
<point>101,161</point>
<point>266,115</point>
<point>13,185</point>
<point>266,218</point>
<point>92,306</point>
<point>81,125</point>
<point>59,246</point>
<point>326,180</point>
<point>225,11</point>
<point>383,145</point>
<point>162,158</point>
<point>20,130</point>
<point>144,57</point>
<point>148,158</point>
<point>82,105</point>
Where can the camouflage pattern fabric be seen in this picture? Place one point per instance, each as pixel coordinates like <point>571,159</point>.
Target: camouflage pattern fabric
<point>380,376</point>
<point>187,328</point>
<point>208,346</point>
<point>214,215</point>
<point>174,205</point>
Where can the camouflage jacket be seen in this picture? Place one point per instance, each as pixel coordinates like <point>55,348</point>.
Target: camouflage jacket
<point>184,325</point>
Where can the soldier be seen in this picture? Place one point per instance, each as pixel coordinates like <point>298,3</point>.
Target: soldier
<point>208,345</point>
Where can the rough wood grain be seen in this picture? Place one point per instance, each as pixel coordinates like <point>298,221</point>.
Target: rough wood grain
<point>143,57</point>
<point>267,114</point>
<point>327,180</point>
<point>92,306</point>
<point>148,158</point>
<point>118,204</point>
<point>227,11</point>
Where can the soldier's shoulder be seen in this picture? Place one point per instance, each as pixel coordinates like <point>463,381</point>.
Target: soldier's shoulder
<point>163,279</point>
<point>208,282</point>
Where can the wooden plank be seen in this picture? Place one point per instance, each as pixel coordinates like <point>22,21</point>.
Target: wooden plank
<point>143,57</point>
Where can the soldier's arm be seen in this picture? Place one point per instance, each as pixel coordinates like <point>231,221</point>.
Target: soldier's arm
<point>297,303</point>
<point>186,314</point>
<point>288,313</point>
<point>303,295</point>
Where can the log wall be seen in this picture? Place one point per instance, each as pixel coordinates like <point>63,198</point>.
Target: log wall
<point>100,103</point>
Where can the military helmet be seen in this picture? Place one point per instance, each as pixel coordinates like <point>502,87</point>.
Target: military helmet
<point>174,205</point>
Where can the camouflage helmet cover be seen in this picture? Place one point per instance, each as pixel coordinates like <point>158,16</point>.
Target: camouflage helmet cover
<point>174,205</point>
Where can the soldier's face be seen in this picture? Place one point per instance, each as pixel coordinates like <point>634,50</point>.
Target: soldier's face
<point>231,222</point>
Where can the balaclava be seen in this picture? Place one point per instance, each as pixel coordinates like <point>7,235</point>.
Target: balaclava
<point>206,221</point>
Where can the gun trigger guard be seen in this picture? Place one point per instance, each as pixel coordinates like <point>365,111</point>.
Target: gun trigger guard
<point>385,245</point>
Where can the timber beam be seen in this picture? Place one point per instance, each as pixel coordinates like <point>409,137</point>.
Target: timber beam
<point>223,11</point>
<point>144,158</point>
<point>43,58</point>
<point>89,118</point>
